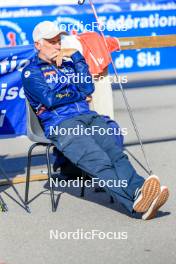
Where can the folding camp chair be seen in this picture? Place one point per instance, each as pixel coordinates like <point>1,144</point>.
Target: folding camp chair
<point>35,133</point>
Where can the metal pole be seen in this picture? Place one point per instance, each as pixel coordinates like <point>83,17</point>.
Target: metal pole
<point>122,90</point>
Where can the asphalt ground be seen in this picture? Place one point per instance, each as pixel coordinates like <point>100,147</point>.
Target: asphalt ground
<point>25,238</point>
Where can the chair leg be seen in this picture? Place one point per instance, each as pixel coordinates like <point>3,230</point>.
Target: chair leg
<point>3,205</point>
<point>50,176</point>
<point>28,173</point>
<point>83,187</point>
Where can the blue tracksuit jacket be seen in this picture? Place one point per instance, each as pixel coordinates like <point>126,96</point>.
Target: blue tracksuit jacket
<point>53,89</point>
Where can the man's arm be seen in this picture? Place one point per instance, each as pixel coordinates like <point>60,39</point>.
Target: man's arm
<point>85,84</point>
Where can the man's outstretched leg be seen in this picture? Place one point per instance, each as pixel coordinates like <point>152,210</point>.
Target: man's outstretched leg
<point>150,197</point>
<point>87,154</point>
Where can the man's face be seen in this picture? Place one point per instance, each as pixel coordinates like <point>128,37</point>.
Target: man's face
<point>48,47</point>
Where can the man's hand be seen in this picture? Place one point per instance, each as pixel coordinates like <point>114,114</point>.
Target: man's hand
<point>59,55</point>
<point>68,52</point>
<point>89,99</point>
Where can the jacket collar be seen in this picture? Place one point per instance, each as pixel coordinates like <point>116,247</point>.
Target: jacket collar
<point>39,61</point>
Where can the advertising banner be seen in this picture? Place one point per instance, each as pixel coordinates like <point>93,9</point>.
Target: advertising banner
<point>16,36</point>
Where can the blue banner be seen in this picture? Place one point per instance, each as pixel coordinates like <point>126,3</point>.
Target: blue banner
<point>19,32</point>
<point>12,103</point>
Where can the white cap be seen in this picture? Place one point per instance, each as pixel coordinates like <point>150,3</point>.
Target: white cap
<point>46,30</point>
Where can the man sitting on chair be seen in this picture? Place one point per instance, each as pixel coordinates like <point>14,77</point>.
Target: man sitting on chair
<point>57,83</point>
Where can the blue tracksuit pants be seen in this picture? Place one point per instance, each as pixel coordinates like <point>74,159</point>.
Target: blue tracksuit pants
<point>99,155</point>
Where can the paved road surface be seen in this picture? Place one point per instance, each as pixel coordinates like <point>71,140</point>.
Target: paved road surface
<point>24,238</point>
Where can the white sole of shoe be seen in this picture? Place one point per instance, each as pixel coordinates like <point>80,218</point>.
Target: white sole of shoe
<point>150,190</point>
<point>157,203</point>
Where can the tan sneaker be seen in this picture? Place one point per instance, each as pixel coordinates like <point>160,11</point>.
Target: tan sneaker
<point>157,203</point>
<point>149,191</point>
